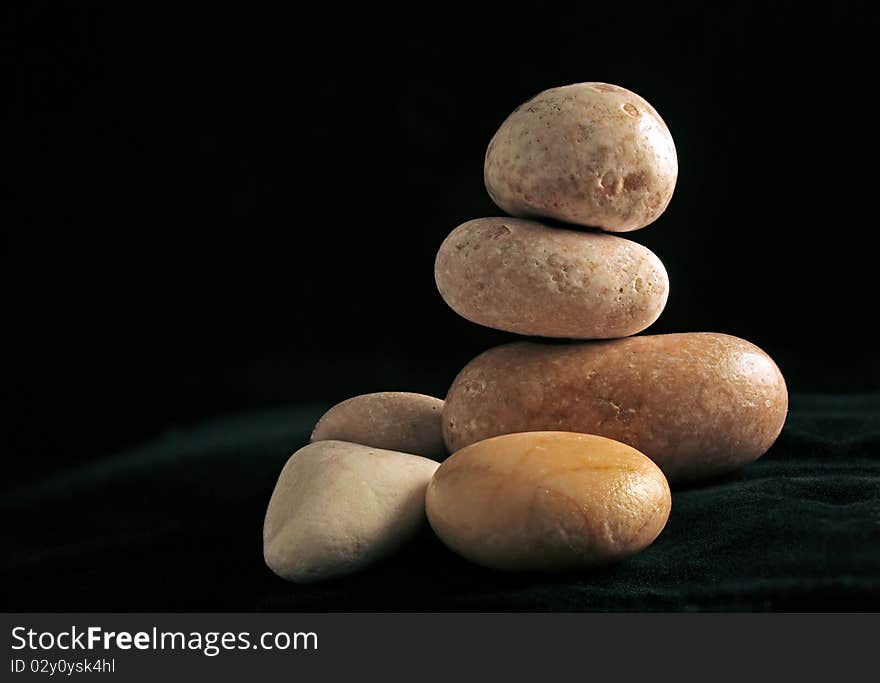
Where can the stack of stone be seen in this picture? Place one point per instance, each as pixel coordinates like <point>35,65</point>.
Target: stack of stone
<point>562,451</point>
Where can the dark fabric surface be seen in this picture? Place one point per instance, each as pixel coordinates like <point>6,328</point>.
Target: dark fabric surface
<point>176,525</point>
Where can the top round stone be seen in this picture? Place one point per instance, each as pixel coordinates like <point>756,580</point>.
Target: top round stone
<point>590,154</point>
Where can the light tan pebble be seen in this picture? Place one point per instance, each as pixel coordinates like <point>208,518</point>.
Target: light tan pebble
<point>340,507</point>
<point>393,420</point>
<point>697,404</point>
<point>591,154</point>
<point>548,501</point>
<point>522,276</point>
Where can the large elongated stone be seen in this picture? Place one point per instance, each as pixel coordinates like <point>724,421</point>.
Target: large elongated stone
<point>697,404</point>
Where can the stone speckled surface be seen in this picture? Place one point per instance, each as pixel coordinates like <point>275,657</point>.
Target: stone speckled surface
<point>547,501</point>
<point>592,154</point>
<point>393,420</point>
<point>698,404</point>
<point>522,276</point>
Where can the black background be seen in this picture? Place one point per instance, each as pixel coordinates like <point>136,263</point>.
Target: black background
<point>220,211</point>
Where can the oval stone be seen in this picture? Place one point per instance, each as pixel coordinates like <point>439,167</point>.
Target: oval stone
<point>697,404</point>
<point>547,501</point>
<point>592,154</point>
<point>392,420</point>
<point>525,277</point>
